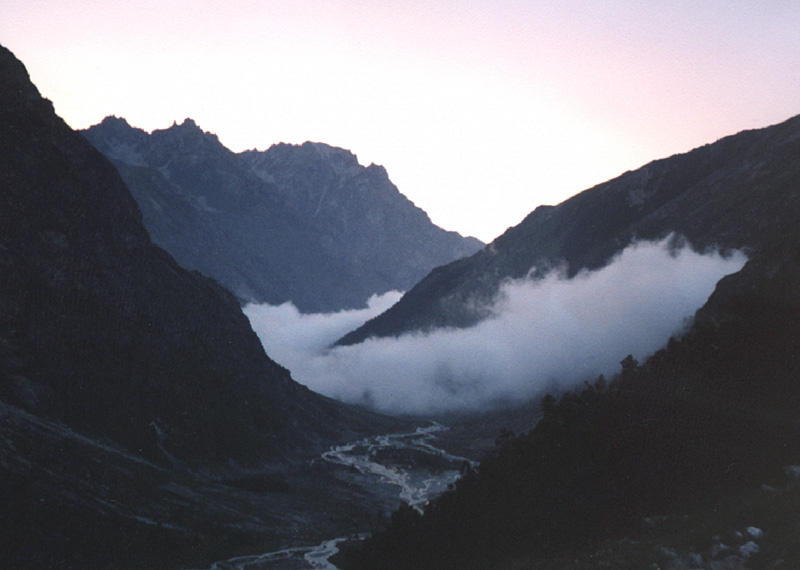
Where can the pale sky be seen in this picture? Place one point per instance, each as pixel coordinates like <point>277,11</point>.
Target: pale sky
<point>480,111</point>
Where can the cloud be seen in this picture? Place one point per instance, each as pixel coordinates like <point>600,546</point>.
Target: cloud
<point>549,332</point>
<point>291,337</point>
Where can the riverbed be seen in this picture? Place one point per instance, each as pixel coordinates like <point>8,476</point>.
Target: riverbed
<point>408,464</point>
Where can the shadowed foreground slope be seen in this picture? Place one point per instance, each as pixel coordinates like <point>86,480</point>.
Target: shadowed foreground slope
<point>693,444</point>
<point>116,363</point>
<point>660,465</point>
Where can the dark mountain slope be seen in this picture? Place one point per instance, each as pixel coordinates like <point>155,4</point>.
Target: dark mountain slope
<point>741,191</point>
<point>134,396</point>
<point>109,333</point>
<point>672,455</point>
<point>306,224</point>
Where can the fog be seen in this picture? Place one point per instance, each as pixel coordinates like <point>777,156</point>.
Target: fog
<point>546,334</point>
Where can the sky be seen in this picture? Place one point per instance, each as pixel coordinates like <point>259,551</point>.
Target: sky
<point>544,335</point>
<point>479,110</point>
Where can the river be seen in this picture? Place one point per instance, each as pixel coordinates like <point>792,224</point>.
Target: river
<point>409,463</point>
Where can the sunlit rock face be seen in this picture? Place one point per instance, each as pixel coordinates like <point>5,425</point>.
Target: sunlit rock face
<point>306,224</point>
<point>739,192</point>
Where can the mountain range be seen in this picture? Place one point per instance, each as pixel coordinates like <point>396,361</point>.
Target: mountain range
<point>301,223</point>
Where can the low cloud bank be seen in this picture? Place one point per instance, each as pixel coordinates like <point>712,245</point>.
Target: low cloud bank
<point>553,332</point>
<point>291,338</point>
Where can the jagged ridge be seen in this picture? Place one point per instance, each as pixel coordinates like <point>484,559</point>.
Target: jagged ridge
<point>306,223</point>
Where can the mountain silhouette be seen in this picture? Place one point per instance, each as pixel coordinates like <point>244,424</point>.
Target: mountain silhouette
<point>673,461</point>
<point>131,389</point>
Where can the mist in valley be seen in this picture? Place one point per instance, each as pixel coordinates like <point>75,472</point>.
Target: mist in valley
<point>544,335</point>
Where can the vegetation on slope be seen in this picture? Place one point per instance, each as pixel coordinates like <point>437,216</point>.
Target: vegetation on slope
<point>699,427</point>
<point>739,192</point>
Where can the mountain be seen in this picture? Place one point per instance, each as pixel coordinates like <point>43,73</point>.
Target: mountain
<point>686,461</point>
<point>739,192</point>
<point>129,386</point>
<point>306,223</point>
<point>359,211</point>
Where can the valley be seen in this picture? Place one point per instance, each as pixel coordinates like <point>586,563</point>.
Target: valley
<point>611,383</point>
<point>406,468</point>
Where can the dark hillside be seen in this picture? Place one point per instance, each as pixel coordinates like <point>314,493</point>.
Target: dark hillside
<point>108,332</point>
<point>693,445</point>
<point>133,394</point>
<point>740,192</point>
<point>698,438</point>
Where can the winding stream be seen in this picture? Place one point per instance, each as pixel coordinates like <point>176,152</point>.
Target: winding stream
<point>417,485</point>
<point>408,461</point>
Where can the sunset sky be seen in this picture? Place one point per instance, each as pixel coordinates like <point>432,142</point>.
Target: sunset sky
<point>480,111</point>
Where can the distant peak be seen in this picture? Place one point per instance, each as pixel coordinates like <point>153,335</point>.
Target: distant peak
<point>339,158</point>
<point>113,127</point>
<point>112,121</point>
<point>187,131</point>
<point>188,124</point>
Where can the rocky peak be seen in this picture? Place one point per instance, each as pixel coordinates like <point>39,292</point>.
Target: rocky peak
<point>122,141</point>
<point>315,176</point>
<point>317,160</point>
<point>187,135</point>
<point>118,140</point>
<point>117,125</point>
<point>339,159</point>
